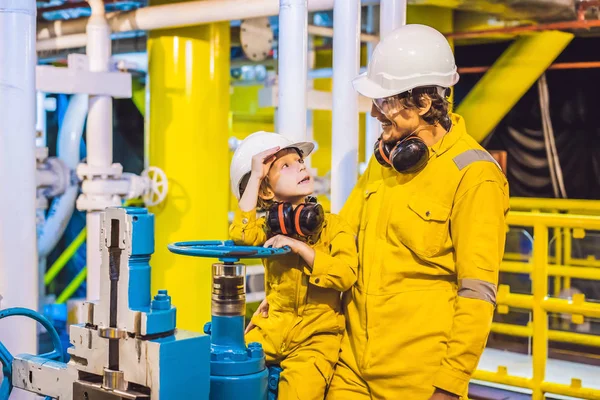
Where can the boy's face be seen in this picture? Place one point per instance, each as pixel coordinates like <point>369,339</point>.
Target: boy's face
<point>289,179</point>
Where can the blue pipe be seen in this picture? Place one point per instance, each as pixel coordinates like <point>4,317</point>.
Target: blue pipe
<point>6,358</point>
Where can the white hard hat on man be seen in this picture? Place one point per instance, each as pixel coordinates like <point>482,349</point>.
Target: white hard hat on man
<point>409,57</point>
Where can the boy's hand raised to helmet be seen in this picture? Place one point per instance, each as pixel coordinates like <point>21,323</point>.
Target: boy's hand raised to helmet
<point>261,163</point>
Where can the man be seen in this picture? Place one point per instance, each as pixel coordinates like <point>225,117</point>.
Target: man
<point>429,214</point>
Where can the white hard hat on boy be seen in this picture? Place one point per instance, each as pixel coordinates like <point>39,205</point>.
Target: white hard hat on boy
<point>241,164</point>
<point>408,57</point>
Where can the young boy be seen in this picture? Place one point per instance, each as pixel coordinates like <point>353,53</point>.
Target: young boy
<point>304,327</point>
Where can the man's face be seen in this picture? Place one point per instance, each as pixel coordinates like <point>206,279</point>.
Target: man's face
<point>397,121</point>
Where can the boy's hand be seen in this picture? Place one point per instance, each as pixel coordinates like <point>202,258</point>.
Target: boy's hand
<point>297,247</point>
<point>279,241</point>
<point>261,163</point>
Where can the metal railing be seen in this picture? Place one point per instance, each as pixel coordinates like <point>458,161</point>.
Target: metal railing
<point>540,304</point>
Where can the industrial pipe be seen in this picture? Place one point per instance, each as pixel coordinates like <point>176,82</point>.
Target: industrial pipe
<point>344,131</point>
<point>552,26</point>
<point>40,120</point>
<point>18,252</point>
<point>80,39</point>
<point>293,68</point>
<point>392,15</point>
<point>99,137</point>
<point>325,31</point>
<point>372,125</point>
<point>172,16</point>
<point>69,142</point>
<point>555,66</point>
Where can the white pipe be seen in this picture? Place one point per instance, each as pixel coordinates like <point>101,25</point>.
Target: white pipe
<point>69,142</point>
<point>99,135</point>
<point>344,134</point>
<point>173,15</point>
<point>99,127</point>
<point>71,131</point>
<point>372,125</point>
<point>80,39</point>
<point>325,31</point>
<point>293,68</point>
<point>40,119</point>
<point>18,252</point>
<point>93,255</point>
<point>392,15</point>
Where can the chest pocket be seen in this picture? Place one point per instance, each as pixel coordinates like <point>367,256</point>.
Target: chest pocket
<point>372,195</point>
<point>422,226</point>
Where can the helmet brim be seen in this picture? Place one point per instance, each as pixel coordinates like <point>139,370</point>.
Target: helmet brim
<point>366,87</point>
<point>306,148</point>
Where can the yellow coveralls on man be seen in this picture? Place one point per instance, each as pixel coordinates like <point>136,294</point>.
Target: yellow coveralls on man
<point>430,246</point>
<point>305,324</point>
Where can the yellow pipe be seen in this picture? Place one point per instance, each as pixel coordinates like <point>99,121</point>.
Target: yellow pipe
<point>72,286</point>
<point>585,262</point>
<point>557,259</point>
<point>516,257</point>
<point>523,301</point>
<point>513,73</point>
<point>579,392</point>
<point>520,218</point>
<point>574,272</point>
<point>568,254</point>
<point>516,267</point>
<point>556,336</point>
<point>138,96</point>
<point>553,270</point>
<point>526,302</point>
<point>526,203</point>
<point>517,381</point>
<point>188,131</point>
<point>580,262</point>
<point>65,256</point>
<point>584,308</point>
<point>539,279</point>
<point>502,379</point>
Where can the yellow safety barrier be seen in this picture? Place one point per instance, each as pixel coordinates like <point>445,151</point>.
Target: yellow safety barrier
<point>556,336</point>
<point>526,204</point>
<point>540,304</point>
<point>563,236</point>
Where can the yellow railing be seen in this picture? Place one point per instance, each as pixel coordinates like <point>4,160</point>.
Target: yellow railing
<point>540,304</point>
<point>569,205</point>
<point>563,236</point>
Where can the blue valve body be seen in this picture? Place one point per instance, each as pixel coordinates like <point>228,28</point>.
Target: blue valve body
<point>161,316</point>
<point>237,371</point>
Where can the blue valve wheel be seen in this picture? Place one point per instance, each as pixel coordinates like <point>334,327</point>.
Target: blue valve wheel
<point>225,251</point>
<point>6,358</point>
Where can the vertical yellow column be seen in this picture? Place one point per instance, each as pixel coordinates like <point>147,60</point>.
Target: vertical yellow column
<point>188,129</point>
<point>540,316</point>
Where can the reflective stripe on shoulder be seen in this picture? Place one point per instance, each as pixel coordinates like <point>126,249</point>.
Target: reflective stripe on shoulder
<point>470,156</point>
<point>477,289</point>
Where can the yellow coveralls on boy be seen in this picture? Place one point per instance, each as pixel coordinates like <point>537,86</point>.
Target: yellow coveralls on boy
<point>305,325</point>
